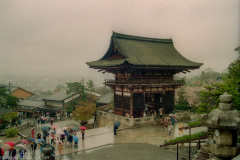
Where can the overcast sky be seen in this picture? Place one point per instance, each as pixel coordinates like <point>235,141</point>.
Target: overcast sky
<point>57,37</point>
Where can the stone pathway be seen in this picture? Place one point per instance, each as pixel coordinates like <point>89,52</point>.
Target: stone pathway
<point>102,139</point>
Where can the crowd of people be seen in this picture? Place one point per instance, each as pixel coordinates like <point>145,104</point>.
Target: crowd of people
<point>46,136</point>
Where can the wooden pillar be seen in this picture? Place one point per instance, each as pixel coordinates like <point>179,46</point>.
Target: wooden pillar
<point>122,104</point>
<point>131,103</point>
<point>114,100</point>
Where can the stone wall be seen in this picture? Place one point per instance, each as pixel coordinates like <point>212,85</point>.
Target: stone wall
<point>108,119</point>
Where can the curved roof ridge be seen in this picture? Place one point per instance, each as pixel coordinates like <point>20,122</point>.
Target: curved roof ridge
<point>138,38</point>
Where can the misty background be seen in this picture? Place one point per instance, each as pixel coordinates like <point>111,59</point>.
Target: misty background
<point>55,38</point>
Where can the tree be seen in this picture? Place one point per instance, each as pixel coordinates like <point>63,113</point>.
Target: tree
<point>182,102</point>
<point>77,88</point>
<point>209,98</point>
<point>233,82</point>
<point>84,111</point>
<point>10,116</point>
<point>6,99</point>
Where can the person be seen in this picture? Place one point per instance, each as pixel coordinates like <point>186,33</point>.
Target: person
<point>155,114</point>
<point>60,147</point>
<point>33,132</point>
<point>21,154</point>
<point>160,112</point>
<point>173,120</point>
<point>38,121</point>
<point>115,130</point>
<point>16,124</point>
<point>34,148</point>
<point>51,122</point>
<point>14,152</point>
<point>70,139</point>
<point>52,137</point>
<point>83,132</point>
<point>63,138</point>
<point>41,148</point>
<point>39,135</point>
<point>45,135</point>
<point>169,128</point>
<point>1,153</point>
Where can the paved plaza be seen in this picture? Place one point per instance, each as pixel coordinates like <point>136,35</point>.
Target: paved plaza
<point>101,143</point>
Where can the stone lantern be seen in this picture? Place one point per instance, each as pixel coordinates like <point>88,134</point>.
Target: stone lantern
<point>224,122</point>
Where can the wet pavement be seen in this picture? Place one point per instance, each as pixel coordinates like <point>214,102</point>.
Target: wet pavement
<point>101,143</point>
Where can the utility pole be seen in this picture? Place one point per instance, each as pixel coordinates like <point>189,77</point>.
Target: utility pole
<point>9,88</point>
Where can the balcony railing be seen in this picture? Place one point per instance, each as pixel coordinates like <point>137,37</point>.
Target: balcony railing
<point>144,82</point>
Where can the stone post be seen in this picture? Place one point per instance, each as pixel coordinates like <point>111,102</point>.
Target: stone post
<point>131,121</point>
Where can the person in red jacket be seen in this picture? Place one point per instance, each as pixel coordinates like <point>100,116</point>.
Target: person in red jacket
<point>33,132</point>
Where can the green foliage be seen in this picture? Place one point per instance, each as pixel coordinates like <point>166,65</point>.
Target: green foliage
<point>10,116</point>
<point>7,99</point>
<point>182,103</point>
<point>209,98</point>
<point>84,111</point>
<point>195,123</point>
<point>187,138</point>
<point>71,106</point>
<point>77,88</point>
<point>11,132</point>
<point>90,85</point>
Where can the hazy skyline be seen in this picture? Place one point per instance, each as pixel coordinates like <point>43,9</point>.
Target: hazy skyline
<point>58,37</point>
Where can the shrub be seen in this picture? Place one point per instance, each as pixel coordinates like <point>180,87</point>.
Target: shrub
<point>11,132</point>
<point>195,123</point>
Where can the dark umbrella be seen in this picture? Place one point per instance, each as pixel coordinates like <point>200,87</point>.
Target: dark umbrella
<point>32,139</point>
<point>72,134</point>
<point>45,128</point>
<point>117,124</point>
<point>75,128</point>
<point>75,138</point>
<point>41,140</point>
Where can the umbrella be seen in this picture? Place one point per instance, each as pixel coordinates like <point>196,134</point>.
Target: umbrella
<point>33,128</point>
<point>24,141</point>
<point>75,138</point>
<point>19,146</point>
<point>19,142</point>
<point>32,139</point>
<point>54,127</point>
<point>70,127</point>
<point>45,128</point>
<point>41,140</point>
<point>51,131</point>
<point>52,119</point>
<point>47,113</point>
<point>10,143</point>
<point>60,132</point>
<point>72,134</point>
<point>75,128</point>
<point>5,147</point>
<point>117,124</point>
<point>171,115</point>
<point>83,127</point>
<point>19,121</point>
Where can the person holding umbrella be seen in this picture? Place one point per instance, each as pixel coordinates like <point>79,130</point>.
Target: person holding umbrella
<point>52,137</point>
<point>51,122</point>
<point>33,132</point>
<point>39,135</point>
<point>60,146</point>
<point>14,152</point>
<point>1,153</point>
<point>83,131</point>
<point>115,127</point>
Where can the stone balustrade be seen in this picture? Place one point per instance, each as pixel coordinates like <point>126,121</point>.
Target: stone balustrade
<point>131,122</point>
